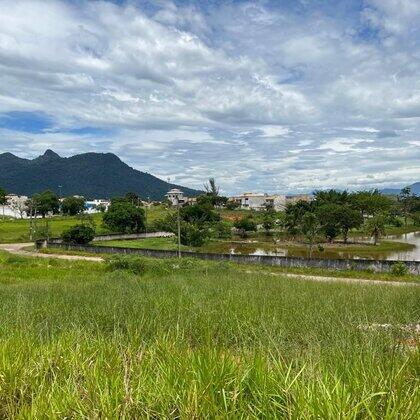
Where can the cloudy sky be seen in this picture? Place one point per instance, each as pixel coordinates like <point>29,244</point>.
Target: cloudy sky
<point>275,96</point>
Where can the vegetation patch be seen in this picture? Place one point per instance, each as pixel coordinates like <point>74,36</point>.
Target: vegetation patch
<point>200,339</point>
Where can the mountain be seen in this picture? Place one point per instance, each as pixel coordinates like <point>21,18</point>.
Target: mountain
<point>93,175</point>
<point>415,189</point>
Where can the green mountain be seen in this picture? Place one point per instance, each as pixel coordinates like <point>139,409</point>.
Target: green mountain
<point>415,189</point>
<point>93,175</point>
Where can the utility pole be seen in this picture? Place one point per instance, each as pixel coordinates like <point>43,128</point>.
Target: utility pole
<point>61,203</point>
<point>179,229</point>
<point>147,206</point>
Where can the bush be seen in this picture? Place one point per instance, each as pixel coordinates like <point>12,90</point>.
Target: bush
<point>134,264</point>
<point>232,205</point>
<point>244,226</point>
<point>78,234</point>
<point>399,269</point>
<point>192,235</point>
<point>223,230</point>
<point>416,218</point>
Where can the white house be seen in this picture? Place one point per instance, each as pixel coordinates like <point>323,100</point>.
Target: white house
<point>94,206</point>
<point>259,201</point>
<point>176,196</point>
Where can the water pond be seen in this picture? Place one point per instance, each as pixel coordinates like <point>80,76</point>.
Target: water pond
<point>269,247</point>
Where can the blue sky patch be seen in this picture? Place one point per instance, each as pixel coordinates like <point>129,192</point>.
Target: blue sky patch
<point>29,122</point>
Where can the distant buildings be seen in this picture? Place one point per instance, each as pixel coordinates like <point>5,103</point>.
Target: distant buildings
<point>176,196</point>
<point>259,201</point>
<point>96,206</point>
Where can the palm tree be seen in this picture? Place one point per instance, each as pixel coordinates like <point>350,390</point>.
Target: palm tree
<point>211,187</point>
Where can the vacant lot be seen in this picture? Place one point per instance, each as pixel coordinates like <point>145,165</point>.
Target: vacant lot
<point>193,338</point>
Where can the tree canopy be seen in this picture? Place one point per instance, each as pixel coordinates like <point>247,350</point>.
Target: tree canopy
<point>124,217</point>
<point>71,206</point>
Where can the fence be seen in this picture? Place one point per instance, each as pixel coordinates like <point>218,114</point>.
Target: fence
<point>333,264</point>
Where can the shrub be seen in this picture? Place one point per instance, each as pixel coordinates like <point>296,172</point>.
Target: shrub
<point>244,226</point>
<point>78,234</point>
<point>193,235</point>
<point>223,230</point>
<point>232,205</point>
<point>399,269</point>
<point>134,264</point>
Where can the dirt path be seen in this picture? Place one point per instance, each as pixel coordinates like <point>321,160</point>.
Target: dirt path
<point>19,249</point>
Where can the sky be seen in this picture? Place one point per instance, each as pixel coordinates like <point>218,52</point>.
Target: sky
<point>269,96</point>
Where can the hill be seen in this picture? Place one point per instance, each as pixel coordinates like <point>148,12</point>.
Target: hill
<point>415,189</point>
<point>100,175</point>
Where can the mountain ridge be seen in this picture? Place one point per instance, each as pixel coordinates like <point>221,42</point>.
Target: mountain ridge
<point>93,175</point>
<point>415,189</point>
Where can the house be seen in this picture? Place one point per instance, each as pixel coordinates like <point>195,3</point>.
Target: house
<point>95,206</point>
<point>259,201</point>
<point>176,196</point>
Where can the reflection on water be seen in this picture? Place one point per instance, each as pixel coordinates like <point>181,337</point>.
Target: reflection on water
<point>269,248</point>
<point>410,255</point>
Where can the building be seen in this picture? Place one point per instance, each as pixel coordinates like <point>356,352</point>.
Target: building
<point>95,206</point>
<point>292,199</point>
<point>176,196</point>
<point>259,201</point>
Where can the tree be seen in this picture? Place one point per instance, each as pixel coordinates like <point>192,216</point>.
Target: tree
<point>193,235</point>
<point>78,234</point>
<point>406,200</point>
<point>18,204</point>
<point>3,199</point>
<point>211,187</point>
<point>331,197</point>
<point>349,218</point>
<point>329,219</point>
<point>124,217</point>
<point>293,216</point>
<point>46,202</point>
<point>375,227</point>
<point>370,203</point>
<point>310,228</point>
<point>199,213</point>
<point>71,206</point>
<point>133,198</point>
<point>244,226</point>
<point>268,221</point>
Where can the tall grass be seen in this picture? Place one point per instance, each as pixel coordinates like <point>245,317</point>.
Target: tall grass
<point>196,339</point>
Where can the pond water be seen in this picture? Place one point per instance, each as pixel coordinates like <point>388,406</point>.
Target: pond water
<point>268,247</point>
<point>410,255</point>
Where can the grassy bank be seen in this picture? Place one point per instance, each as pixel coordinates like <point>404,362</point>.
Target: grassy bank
<point>309,271</point>
<point>195,339</point>
<point>334,250</point>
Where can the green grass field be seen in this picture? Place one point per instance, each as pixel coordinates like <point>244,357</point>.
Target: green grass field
<point>17,230</point>
<point>195,339</point>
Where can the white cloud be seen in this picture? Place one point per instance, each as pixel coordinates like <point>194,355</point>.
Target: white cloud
<point>260,95</point>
